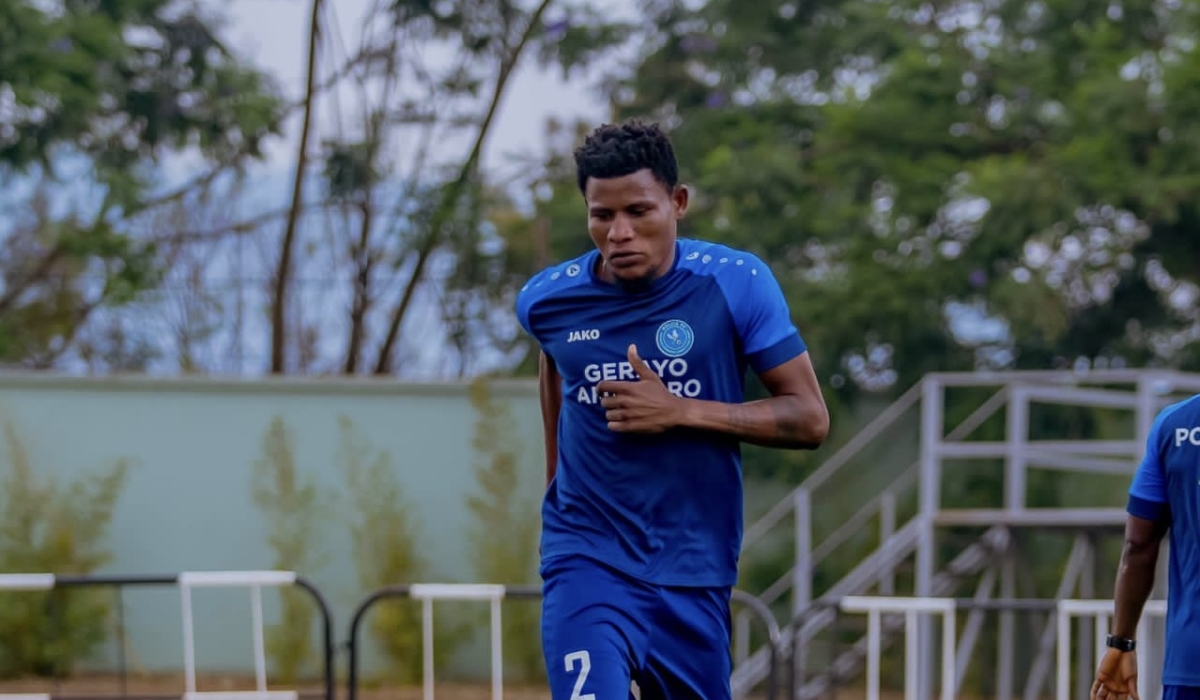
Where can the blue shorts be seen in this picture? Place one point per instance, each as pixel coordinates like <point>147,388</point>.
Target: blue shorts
<point>1180,692</point>
<point>602,629</point>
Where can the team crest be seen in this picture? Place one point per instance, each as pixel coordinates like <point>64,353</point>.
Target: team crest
<point>674,338</point>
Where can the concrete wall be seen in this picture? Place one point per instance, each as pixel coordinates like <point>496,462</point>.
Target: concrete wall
<point>188,502</point>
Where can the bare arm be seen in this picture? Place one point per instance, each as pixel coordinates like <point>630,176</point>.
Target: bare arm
<point>550,396</point>
<point>794,417</point>
<point>1135,575</point>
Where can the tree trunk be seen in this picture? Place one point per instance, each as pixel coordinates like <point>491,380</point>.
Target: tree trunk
<point>283,272</point>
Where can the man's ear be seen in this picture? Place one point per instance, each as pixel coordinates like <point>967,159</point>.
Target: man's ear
<point>680,199</point>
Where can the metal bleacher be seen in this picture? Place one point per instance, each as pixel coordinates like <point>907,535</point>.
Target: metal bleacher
<point>894,522</point>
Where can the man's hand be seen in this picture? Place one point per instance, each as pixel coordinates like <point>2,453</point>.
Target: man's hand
<point>1116,677</point>
<point>644,406</point>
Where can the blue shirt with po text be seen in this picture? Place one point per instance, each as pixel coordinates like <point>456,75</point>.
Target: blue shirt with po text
<point>1167,487</point>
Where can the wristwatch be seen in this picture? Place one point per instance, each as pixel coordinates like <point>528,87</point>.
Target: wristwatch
<point>1120,643</point>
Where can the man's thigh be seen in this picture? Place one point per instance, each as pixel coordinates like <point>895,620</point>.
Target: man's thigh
<point>688,657</point>
<point>594,629</point>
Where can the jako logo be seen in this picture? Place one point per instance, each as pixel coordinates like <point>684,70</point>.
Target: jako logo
<point>1190,435</point>
<point>586,334</point>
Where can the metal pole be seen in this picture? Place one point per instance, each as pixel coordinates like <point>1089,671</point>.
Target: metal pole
<point>874,651</point>
<point>1148,391</point>
<point>887,528</point>
<point>427,638</point>
<point>189,650</point>
<point>497,651</point>
<point>930,503</point>
<point>912,655</point>
<point>949,644</point>
<point>260,651</point>
<point>1015,465</point>
<point>802,574</point>
<point>1089,649</point>
<point>121,642</point>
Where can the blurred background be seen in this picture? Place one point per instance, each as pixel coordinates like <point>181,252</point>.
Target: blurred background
<point>258,262</point>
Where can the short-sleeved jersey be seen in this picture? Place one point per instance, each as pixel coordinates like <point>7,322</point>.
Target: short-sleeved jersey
<point>1167,486</point>
<point>667,508</point>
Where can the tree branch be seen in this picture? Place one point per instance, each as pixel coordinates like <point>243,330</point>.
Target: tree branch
<point>36,275</point>
<point>454,192</point>
<point>234,229</point>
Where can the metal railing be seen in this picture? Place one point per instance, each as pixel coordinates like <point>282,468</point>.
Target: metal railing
<point>1141,392</point>
<point>882,614</point>
<point>1101,612</point>
<point>186,582</point>
<point>1150,390</point>
<point>494,594</point>
<point>912,609</point>
<point>426,593</point>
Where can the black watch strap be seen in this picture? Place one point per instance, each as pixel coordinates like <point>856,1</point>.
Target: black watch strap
<point>1120,643</point>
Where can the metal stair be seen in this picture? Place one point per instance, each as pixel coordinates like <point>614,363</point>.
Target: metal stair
<point>823,499</point>
<point>819,615</point>
<point>970,562</point>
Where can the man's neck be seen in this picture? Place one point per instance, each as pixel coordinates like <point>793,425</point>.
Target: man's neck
<point>605,273</point>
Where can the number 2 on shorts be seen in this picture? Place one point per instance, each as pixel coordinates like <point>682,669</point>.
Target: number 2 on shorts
<point>584,660</point>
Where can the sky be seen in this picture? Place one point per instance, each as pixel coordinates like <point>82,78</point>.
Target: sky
<point>273,34</point>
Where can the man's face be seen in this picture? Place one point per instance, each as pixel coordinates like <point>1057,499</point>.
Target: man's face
<point>632,220</point>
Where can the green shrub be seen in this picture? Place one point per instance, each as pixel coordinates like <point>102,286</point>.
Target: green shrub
<point>386,546</point>
<point>48,527</point>
<point>294,509</point>
<point>504,539</point>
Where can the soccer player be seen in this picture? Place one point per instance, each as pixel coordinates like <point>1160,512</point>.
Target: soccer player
<point>1164,495</point>
<point>645,342</point>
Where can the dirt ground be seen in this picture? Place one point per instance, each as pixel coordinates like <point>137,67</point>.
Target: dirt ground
<point>98,687</point>
<point>106,686</point>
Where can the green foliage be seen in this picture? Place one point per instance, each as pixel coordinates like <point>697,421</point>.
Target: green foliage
<point>387,551</point>
<point>122,81</point>
<point>504,540</point>
<point>294,509</point>
<point>1036,162</point>
<point>571,36</point>
<point>100,93</point>
<point>56,528</point>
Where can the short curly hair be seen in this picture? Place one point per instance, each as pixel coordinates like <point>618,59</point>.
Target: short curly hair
<point>616,150</point>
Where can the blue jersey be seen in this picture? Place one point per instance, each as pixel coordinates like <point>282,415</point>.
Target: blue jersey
<point>665,509</point>
<point>1167,485</point>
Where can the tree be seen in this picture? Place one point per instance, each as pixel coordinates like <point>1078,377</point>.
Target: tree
<point>100,96</point>
<point>944,187</point>
<point>410,236</point>
<point>388,215</point>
